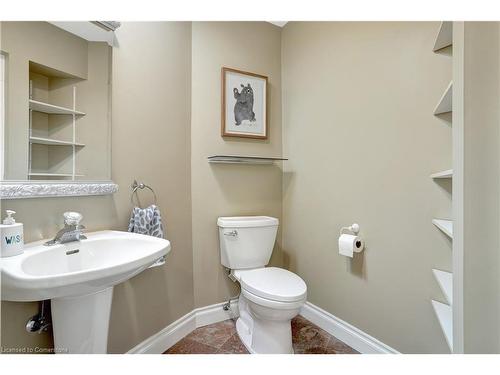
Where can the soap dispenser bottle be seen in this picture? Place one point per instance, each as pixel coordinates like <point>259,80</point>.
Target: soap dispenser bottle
<point>11,236</point>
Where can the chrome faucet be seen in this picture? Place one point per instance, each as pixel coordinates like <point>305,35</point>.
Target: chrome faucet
<point>72,230</point>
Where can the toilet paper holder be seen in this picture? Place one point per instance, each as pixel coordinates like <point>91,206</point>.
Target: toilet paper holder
<point>354,228</point>
<point>357,246</point>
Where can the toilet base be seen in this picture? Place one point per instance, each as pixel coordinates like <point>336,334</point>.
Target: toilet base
<point>262,335</point>
<point>245,335</point>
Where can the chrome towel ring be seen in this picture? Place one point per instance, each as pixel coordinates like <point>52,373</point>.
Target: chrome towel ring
<point>135,186</point>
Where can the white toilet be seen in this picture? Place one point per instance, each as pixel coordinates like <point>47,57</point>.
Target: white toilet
<point>270,297</point>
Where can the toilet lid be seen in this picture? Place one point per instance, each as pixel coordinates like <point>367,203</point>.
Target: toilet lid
<point>274,283</point>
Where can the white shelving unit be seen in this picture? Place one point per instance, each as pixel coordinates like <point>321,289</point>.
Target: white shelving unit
<point>53,142</point>
<point>445,281</point>
<point>36,171</point>
<point>446,226</point>
<point>444,37</point>
<point>443,174</point>
<point>444,315</point>
<point>444,312</point>
<point>445,103</point>
<point>52,109</point>
<point>48,174</point>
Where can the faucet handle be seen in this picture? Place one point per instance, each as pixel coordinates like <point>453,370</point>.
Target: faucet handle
<point>72,218</point>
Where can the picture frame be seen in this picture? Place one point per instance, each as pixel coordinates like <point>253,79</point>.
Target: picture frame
<point>244,104</point>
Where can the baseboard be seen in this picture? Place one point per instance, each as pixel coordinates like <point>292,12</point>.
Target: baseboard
<point>174,332</point>
<point>167,337</point>
<point>215,313</point>
<point>352,336</point>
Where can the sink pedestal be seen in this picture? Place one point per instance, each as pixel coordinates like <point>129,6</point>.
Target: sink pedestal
<point>81,323</point>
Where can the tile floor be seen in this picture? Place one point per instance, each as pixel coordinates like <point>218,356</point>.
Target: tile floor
<point>221,338</point>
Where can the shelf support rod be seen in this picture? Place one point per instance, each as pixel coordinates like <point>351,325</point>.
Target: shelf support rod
<point>74,134</point>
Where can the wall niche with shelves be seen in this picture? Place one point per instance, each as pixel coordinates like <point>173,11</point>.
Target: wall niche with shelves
<point>53,124</point>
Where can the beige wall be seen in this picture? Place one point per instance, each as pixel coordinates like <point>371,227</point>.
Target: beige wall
<point>94,98</point>
<point>358,100</point>
<point>481,174</point>
<point>151,131</point>
<point>223,189</point>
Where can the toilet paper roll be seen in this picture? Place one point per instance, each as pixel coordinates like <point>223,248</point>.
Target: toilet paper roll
<point>349,244</point>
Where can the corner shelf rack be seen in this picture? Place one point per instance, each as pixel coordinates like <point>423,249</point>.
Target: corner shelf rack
<point>53,142</point>
<point>48,174</point>
<point>445,103</point>
<point>446,226</point>
<point>443,174</point>
<point>444,315</point>
<point>51,109</point>
<point>445,281</point>
<point>444,311</point>
<point>49,157</point>
<point>231,159</point>
<point>444,38</point>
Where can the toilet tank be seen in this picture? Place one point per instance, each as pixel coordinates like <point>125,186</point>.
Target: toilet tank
<point>246,241</point>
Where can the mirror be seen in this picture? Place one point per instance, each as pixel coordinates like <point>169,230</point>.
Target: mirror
<point>56,105</point>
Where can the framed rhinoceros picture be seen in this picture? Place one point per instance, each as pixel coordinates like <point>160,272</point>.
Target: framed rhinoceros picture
<point>244,97</point>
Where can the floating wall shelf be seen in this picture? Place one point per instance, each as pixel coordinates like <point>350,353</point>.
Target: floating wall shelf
<point>445,317</point>
<point>446,226</point>
<point>444,37</point>
<point>445,103</point>
<point>444,174</point>
<point>445,281</point>
<point>53,142</point>
<point>230,159</point>
<point>52,109</point>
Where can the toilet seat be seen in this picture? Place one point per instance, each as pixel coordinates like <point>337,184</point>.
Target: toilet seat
<point>275,305</point>
<point>272,284</point>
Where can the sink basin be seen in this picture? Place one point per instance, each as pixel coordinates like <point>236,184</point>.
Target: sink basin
<point>104,259</point>
<point>78,278</point>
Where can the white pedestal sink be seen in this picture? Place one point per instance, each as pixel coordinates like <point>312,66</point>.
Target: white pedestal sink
<point>78,278</point>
